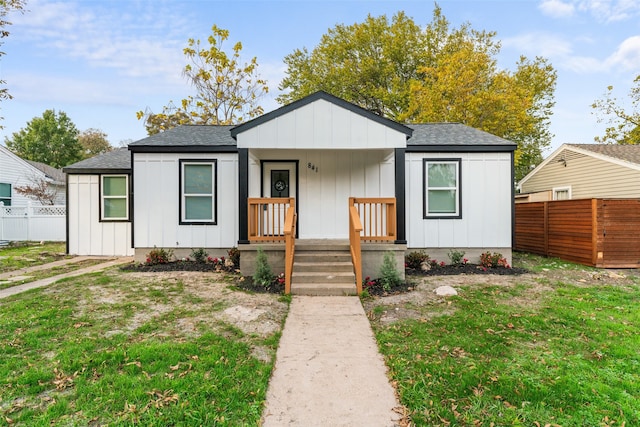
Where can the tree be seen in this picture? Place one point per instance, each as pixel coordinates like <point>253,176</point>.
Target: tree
<point>624,125</point>
<point>93,142</point>
<point>7,6</point>
<point>227,91</point>
<point>51,139</point>
<point>39,189</point>
<point>440,73</point>
<point>370,64</point>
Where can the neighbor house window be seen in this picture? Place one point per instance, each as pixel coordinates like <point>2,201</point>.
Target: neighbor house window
<point>441,188</point>
<point>198,192</point>
<point>115,197</point>
<point>5,194</point>
<point>562,193</point>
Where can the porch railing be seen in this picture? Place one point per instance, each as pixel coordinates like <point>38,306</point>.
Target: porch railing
<point>267,218</point>
<point>378,217</point>
<point>290,246</point>
<point>355,228</point>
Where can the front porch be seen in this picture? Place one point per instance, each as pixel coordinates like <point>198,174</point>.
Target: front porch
<point>322,266</point>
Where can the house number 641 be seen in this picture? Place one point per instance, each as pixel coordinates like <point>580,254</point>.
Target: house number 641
<point>313,167</point>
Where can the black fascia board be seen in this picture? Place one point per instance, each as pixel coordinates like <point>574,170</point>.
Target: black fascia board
<point>102,171</point>
<point>183,149</point>
<point>329,98</point>
<point>461,148</point>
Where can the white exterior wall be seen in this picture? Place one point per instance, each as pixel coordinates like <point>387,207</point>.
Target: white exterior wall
<point>87,235</point>
<point>156,203</point>
<point>321,125</point>
<point>323,205</point>
<point>486,204</point>
<point>18,172</point>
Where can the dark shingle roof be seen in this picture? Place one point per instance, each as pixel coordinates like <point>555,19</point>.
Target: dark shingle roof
<point>454,134</point>
<point>116,161</point>
<point>628,153</point>
<point>57,175</point>
<point>196,136</point>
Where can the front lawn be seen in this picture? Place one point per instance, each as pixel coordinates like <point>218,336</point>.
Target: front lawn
<point>559,347</point>
<point>28,254</point>
<point>123,349</point>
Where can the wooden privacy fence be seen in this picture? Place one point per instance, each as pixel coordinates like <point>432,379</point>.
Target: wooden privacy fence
<point>596,232</point>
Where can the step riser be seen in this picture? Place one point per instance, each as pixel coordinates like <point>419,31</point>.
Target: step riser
<point>320,257</point>
<point>323,290</point>
<point>323,277</point>
<point>322,267</point>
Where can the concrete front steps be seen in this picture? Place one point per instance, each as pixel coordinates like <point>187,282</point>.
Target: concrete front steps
<point>323,268</point>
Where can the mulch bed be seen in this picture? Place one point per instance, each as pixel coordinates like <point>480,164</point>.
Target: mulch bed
<point>449,270</point>
<point>246,283</point>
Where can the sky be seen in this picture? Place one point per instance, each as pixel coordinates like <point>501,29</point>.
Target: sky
<point>102,61</point>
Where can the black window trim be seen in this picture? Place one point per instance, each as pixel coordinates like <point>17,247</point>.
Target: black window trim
<point>425,162</point>
<point>101,217</point>
<point>181,163</point>
<point>10,194</point>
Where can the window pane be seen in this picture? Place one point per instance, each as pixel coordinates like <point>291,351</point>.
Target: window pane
<point>5,190</point>
<point>442,175</point>
<point>198,179</point>
<point>198,208</point>
<point>442,201</point>
<point>114,186</point>
<point>115,208</point>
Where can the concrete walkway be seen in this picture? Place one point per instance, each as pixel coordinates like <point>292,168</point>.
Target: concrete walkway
<point>328,370</point>
<point>109,262</point>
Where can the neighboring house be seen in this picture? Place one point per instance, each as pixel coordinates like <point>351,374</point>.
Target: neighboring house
<point>584,171</point>
<point>445,185</point>
<point>17,172</point>
<point>98,220</point>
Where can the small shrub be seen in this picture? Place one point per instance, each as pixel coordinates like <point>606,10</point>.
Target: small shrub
<point>159,256</point>
<point>492,260</point>
<point>264,277</point>
<point>234,256</point>
<point>415,259</point>
<point>456,257</point>
<point>199,255</point>
<point>389,275</point>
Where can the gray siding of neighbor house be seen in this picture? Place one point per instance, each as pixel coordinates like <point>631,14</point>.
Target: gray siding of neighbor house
<point>587,176</point>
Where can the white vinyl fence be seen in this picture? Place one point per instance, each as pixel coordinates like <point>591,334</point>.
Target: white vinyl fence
<point>18,223</point>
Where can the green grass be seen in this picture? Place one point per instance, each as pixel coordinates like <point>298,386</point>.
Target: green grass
<point>80,355</point>
<point>53,271</point>
<point>570,359</point>
<point>29,254</point>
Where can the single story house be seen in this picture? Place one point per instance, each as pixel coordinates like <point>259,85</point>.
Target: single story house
<point>432,187</point>
<point>584,171</point>
<point>17,172</point>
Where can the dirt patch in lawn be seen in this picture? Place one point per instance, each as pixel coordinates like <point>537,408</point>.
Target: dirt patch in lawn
<point>184,304</point>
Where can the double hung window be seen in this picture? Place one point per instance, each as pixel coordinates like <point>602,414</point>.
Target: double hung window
<point>114,196</point>
<point>441,188</point>
<point>198,192</point>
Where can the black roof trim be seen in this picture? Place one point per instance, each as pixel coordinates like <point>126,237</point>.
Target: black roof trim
<point>460,148</point>
<point>183,149</point>
<point>99,172</point>
<point>329,98</point>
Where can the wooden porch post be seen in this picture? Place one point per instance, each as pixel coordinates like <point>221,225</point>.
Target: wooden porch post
<point>243,195</point>
<point>401,231</point>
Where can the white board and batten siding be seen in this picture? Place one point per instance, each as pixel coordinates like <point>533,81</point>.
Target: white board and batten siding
<point>87,234</point>
<point>486,204</point>
<point>326,180</point>
<point>156,203</point>
<point>321,125</point>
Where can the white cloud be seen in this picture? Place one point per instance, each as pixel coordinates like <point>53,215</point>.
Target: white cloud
<point>135,44</point>
<point>627,56</point>
<point>539,44</point>
<point>602,10</point>
<point>557,8</point>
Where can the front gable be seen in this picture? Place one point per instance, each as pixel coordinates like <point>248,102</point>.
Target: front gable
<point>321,121</point>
